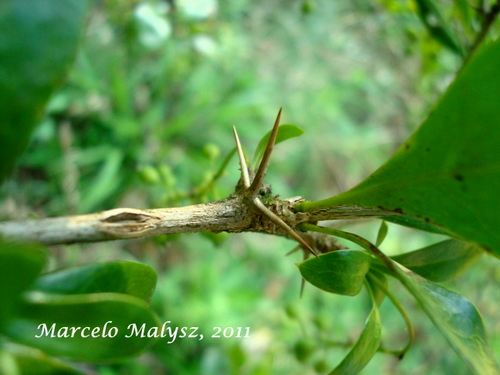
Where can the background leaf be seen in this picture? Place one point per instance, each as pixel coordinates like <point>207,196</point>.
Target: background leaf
<point>105,183</point>
<point>285,132</point>
<point>448,172</point>
<point>437,27</point>
<point>135,279</point>
<point>83,310</point>
<point>39,40</point>
<point>340,272</point>
<point>20,263</point>
<point>29,361</point>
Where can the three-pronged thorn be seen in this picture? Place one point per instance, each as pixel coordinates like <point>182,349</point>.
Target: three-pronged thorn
<point>251,188</point>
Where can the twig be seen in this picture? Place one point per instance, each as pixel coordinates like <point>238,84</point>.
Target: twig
<point>124,223</point>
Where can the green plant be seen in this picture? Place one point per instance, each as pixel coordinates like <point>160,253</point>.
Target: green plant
<point>444,179</point>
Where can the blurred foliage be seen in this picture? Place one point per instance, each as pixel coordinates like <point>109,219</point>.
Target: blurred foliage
<point>145,121</point>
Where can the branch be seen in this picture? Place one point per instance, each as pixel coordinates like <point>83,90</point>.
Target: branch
<point>242,211</point>
<point>233,214</point>
<point>229,214</point>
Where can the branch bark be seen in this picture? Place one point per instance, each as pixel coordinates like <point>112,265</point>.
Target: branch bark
<point>229,214</point>
<point>235,213</point>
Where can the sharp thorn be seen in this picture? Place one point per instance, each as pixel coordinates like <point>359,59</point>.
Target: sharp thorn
<point>303,283</point>
<point>279,222</point>
<point>261,172</point>
<point>243,163</point>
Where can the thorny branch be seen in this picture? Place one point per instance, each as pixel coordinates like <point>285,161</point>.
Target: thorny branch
<point>242,211</point>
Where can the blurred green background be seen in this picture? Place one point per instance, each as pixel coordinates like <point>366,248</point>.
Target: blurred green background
<point>145,120</point>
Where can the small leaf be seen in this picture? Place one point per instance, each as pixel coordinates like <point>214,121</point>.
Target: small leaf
<point>284,132</point>
<point>435,24</point>
<point>366,346</point>
<point>442,261</point>
<point>382,232</point>
<point>38,43</point>
<point>340,272</point>
<point>135,279</point>
<point>20,263</point>
<point>65,324</point>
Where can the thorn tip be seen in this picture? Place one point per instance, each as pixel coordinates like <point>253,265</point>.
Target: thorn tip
<point>264,164</point>
<point>243,163</point>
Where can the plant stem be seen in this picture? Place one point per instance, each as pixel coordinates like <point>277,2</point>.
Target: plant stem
<point>230,214</point>
<point>411,334</point>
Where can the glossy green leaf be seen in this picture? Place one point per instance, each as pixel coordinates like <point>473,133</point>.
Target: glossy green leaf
<point>65,324</point>
<point>20,264</point>
<point>382,232</point>
<point>448,172</point>
<point>23,360</point>
<point>456,318</point>
<point>366,346</point>
<point>285,132</point>
<point>38,43</point>
<point>340,272</point>
<point>442,261</point>
<point>135,279</point>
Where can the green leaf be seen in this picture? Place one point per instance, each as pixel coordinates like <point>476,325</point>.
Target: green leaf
<point>456,318</point>
<point>435,24</point>
<point>285,132</point>
<point>442,261</point>
<point>103,314</point>
<point>382,232</point>
<point>366,346</point>
<point>448,172</point>
<point>22,360</point>
<point>105,183</point>
<point>20,263</point>
<point>135,279</point>
<point>38,44</point>
<point>340,272</point>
